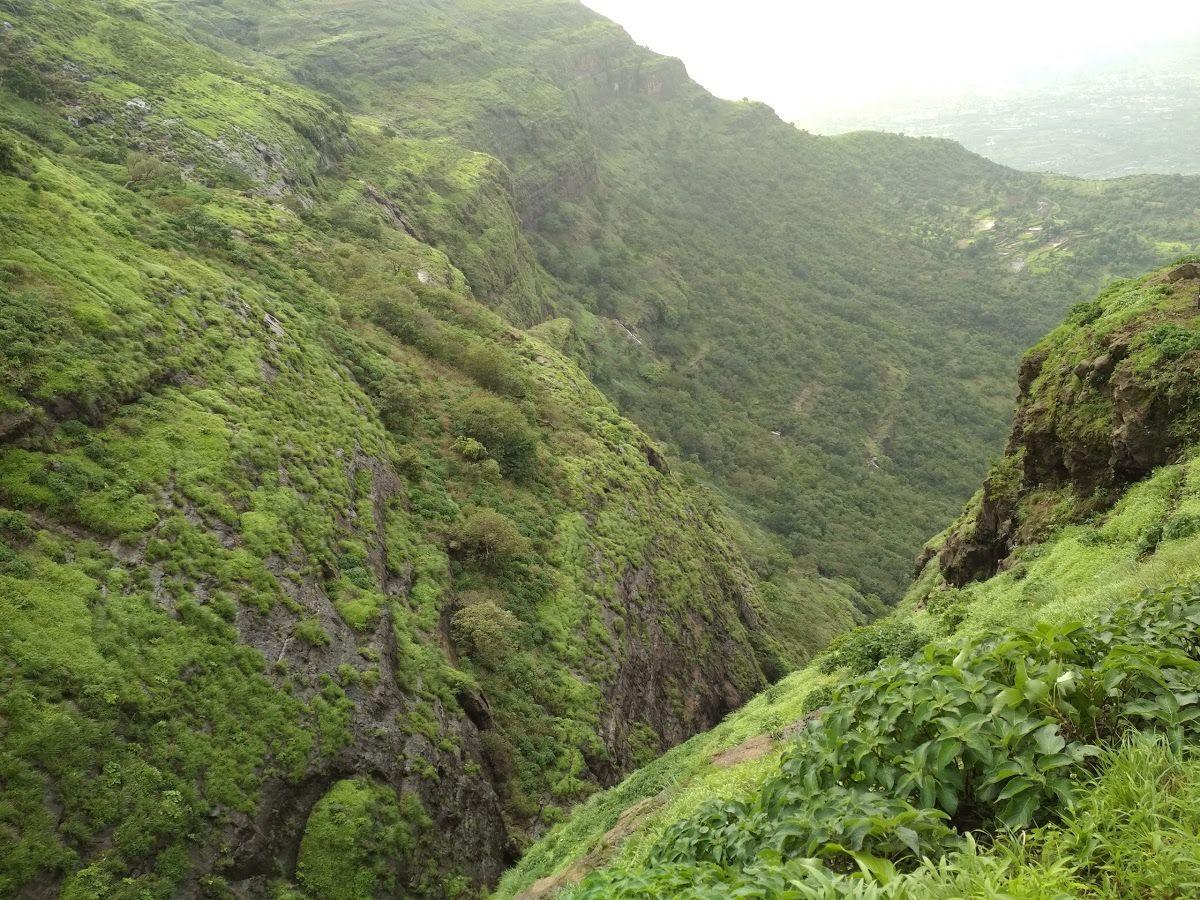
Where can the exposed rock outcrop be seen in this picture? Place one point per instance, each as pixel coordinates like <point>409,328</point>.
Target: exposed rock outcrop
<point>1100,407</point>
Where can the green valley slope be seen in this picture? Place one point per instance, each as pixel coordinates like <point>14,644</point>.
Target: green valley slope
<point>317,577</point>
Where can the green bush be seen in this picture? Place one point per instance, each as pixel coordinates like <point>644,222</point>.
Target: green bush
<point>471,449</point>
<point>363,840</point>
<point>500,427</point>
<point>1172,341</point>
<point>142,169</point>
<point>310,632</point>
<point>818,698</point>
<point>16,524</point>
<point>1182,527</point>
<point>1149,539</point>
<point>24,82</point>
<point>398,403</point>
<point>484,631</point>
<point>9,157</point>
<point>491,368</point>
<point>864,648</point>
<point>399,314</point>
<point>491,539</point>
<point>950,608</point>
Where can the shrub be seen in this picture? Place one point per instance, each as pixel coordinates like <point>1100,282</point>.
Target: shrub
<point>491,538</point>
<point>311,632</point>
<point>363,840</point>
<point>409,463</point>
<point>864,648</point>
<point>16,524</point>
<point>484,631</point>
<point>398,403</point>
<point>949,607</point>
<point>1086,312</point>
<point>1182,527</point>
<point>201,229</point>
<point>24,82</point>
<point>469,448</point>
<point>491,368</point>
<point>12,563</point>
<point>9,157</point>
<point>499,752</point>
<point>500,427</point>
<point>817,698</point>
<point>1149,539</point>
<point>143,169</point>
<point>356,219</point>
<point>399,315</point>
<point>1171,341</point>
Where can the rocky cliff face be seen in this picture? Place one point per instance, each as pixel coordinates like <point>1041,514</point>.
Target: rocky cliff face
<point>1103,401</point>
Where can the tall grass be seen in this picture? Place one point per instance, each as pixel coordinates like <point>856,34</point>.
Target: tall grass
<point>1133,834</point>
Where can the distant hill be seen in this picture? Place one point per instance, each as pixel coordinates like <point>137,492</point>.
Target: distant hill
<point>1137,116</point>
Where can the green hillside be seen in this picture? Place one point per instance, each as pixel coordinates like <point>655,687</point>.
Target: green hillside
<point>1041,745</point>
<point>417,416</point>
<point>315,571</point>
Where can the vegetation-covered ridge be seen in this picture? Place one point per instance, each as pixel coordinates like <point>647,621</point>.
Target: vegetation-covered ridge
<point>1105,400</point>
<point>960,743</point>
<point>317,577</point>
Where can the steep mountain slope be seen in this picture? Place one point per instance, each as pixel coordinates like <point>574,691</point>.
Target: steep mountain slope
<point>318,578</point>
<point>1108,535</point>
<point>825,327</point>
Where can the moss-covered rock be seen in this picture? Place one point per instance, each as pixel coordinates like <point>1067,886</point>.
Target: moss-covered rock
<point>1105,400</point>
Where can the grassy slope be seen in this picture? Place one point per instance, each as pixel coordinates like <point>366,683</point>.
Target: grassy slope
<point>1080,562</point>
<point>490,77</point>
<point>280,500</point>
<point>1132,834</point>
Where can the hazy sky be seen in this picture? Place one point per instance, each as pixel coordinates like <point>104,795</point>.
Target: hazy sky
<point>806,57</point>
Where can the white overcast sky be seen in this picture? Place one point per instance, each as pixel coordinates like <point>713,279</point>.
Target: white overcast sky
<point>804,58</point>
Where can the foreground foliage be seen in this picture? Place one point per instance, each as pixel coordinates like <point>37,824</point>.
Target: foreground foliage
<point>982,735</point>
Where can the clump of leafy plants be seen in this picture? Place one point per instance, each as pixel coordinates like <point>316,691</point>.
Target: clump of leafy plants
<point>501,429</point>
<point>864,648</point>
<point>1171,341</point>
<point>978,736</point>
